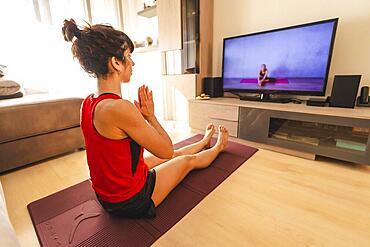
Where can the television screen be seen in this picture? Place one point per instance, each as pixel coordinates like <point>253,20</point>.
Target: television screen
<point>293,60</point>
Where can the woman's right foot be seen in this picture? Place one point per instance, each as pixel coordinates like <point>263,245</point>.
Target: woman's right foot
<point>223,135</point>
<point>210,130</point>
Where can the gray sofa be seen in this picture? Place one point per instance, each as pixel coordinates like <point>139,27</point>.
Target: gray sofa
<point>36,127</point>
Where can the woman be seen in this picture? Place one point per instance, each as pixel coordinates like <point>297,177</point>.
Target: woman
<point>116,131</point>
<point>263,75</point>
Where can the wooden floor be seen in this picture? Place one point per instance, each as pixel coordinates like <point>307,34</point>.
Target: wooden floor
<point>272,200</point>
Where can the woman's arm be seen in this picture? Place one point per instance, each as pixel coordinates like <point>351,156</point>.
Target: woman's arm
<point>148,134</point>
<point>259,77</point>
<point>146,108</point>
<point>265,75</point>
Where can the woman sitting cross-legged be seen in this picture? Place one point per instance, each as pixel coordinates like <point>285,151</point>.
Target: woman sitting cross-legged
<point>117,131</point>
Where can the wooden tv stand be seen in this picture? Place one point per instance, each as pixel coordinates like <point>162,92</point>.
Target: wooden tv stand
<point>338,133</point>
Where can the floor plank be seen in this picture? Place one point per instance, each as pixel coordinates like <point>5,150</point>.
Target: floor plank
<point>272,200</point>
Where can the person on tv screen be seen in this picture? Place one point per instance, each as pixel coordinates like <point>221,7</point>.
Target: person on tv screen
<point>263,75</point>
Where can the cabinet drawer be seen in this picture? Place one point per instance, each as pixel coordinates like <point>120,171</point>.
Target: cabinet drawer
<point>202,114</point>
<point>212,111</point>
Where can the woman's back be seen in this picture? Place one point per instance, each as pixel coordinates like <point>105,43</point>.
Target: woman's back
<point>117,167</point>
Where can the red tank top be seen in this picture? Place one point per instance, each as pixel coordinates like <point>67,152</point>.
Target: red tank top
<point>117,168</point>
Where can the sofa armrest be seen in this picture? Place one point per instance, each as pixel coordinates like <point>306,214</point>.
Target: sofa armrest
<point>7,233</point>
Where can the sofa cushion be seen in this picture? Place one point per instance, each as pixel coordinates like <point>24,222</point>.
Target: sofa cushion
<point>7,234</point>
<point>29,150</point>
<point>8,87</point>
<point>37,114</point>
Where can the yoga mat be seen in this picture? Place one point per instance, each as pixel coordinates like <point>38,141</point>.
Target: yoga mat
<point>74,217</point>
<point>253,80</point>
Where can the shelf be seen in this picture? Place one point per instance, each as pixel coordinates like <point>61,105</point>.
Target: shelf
<point>148,12</point>
<point>146,49</point>
<point>319,134</point>
<point>189,42</point>
<point>324,150</point>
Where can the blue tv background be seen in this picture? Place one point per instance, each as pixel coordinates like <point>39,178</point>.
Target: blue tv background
<point>294,53</point>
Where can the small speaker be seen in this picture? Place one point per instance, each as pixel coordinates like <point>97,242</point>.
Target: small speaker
<point>213,86</point>
<point>344,91</point>
<point>316,102</point>
<point>364,96</point>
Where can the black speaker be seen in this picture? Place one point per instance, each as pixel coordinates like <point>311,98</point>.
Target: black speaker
<point>316,102</point>
<point>213,86</point>
<point>364,96</point>
<point>344,91</point>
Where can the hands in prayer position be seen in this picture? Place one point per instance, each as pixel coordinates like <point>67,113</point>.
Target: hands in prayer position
<point>145,104</point>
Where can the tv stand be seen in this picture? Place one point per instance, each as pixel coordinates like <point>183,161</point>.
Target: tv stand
<point>296,129</point>
<point>265,97</point>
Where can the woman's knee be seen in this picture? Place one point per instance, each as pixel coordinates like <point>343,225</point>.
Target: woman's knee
<point>189,160</point>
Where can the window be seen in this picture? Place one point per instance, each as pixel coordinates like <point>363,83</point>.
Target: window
<point>105,11</point>
<point>61,10</point>
<point>33,48</point>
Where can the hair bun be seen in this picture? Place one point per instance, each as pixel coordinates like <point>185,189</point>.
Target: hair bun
<point>70,30</point>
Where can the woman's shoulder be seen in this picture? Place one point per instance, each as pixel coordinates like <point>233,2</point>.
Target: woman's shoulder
<point>114,112</point>
<point>116,106</point>
<point>121,110</point>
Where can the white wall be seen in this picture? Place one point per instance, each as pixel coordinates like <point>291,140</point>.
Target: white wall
<point>178,89</point>
<point>351,54</point>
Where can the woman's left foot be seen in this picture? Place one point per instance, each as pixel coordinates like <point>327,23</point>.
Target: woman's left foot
<point>210,130</point>
<point>223,135</point>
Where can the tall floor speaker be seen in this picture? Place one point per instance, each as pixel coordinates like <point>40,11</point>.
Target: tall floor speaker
<point>213,86</point>
<point>344,91</point>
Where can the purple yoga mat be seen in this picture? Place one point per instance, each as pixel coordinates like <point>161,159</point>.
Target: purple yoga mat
<point>254,80</point>
<point>74,217</point>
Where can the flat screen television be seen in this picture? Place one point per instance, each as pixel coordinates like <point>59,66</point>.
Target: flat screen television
<point>290,60</point>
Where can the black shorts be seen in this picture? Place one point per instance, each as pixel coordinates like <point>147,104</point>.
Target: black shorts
<point>140,205</point>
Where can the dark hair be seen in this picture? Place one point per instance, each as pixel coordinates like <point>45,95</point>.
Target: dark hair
<point>93,45</point>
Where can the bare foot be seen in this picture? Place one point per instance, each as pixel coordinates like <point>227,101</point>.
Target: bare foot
<point>210,130</point>
<point>223,135</point>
